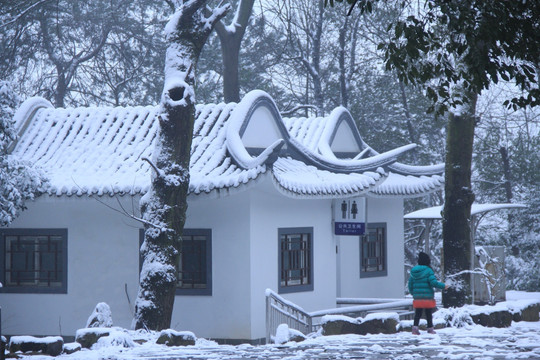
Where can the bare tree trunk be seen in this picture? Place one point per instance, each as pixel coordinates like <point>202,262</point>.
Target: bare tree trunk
<point>164,207</point>
<point>231,38</point>
<point>343,85</point>
<point>413,137</point>
<point>457,242</point>
<point>66,68</point>
<point>509,196</point>
<point>316,63</point>
<point>506,173</point>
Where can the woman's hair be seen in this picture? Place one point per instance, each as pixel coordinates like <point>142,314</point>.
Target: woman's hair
<point>424,259</point>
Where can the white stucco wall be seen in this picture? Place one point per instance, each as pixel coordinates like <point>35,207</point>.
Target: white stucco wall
<point>269,212</point>
<point>389,211</point>
<point>222,315</point>
<point>103,257</point>
<point>96,272</point>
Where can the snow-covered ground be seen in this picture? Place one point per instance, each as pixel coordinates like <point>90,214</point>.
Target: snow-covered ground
<point>520,341</point>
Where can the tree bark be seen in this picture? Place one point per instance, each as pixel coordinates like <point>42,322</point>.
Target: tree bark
<point>457,241</point>
<point>164,206</point>
<point>512,243</point>
<point>413,137</point>
<point>343,85</point>
<point>316,62</point>
<point>66,68</point>
<point>506,173</point>
<point>231,38</point>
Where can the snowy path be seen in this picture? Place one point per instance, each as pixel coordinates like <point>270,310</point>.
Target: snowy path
<point>520,341</point>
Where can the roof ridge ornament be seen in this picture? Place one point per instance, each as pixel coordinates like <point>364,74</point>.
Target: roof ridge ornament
<point>25,113</point>
<point>239,119</point>
<point>334,121</point>
<point>350,165</point>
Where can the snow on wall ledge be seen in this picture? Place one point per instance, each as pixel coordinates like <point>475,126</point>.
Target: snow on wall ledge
<point>99,151</point>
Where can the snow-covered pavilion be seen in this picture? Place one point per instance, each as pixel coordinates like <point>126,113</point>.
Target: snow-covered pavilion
<point>264,194</point>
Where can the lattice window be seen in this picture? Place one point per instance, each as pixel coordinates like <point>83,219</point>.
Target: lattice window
<point>194,264</point>
<point>34,260</point>
<point>373,251</point>
<point>296,258</point>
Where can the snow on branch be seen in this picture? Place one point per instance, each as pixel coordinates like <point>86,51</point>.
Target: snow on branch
<point>187,9</point>
<point>23,13</point>
<point>215,15</point>
<point>159,172</point>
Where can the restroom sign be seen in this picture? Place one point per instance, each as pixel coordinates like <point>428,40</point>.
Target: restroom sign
<point>350,216</point>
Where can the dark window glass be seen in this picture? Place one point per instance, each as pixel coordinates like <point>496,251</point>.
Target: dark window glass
<point>295,259</point>
<point>192,264</point>
<point>195,263</point>
<point>34,260</point>
<point>373,251</point>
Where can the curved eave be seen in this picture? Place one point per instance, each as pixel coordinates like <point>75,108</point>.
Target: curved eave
<point>296,179</point>
<point>347,166</point>
<point>407,186</point>
<point>417,170</point>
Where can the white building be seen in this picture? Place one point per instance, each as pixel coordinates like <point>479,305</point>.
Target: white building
<point>260,216</point>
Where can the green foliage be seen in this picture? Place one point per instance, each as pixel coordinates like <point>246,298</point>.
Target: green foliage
<point>492,39</point>
<point>471,44</point>
<point>19,182</point>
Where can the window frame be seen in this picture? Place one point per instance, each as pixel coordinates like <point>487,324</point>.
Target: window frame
<point>384,271</point>
<point>208,290</point>
<point>30,289</point>
<point>190,232</point>
<point>285,289</point>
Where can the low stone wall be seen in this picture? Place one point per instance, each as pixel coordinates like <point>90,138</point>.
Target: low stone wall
<point>377,323</point>
<point>88,337</point>
<point>50,345</point>
<point>176,338</point>
<point>500,315</point>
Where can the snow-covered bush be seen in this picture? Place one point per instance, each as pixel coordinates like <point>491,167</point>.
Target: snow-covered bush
<point>285,334</point>
<point>18,181</point>
<point>454,317</point>
<point>100,317</point>
<point>117,337</point>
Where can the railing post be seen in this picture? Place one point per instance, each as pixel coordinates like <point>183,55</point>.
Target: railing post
<point>268,314</point>
<point>2,343</point>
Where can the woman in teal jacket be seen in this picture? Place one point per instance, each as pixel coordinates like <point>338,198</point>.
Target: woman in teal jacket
<point>421,284</point>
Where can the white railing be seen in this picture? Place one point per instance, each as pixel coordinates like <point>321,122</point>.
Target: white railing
<point>281,311</point>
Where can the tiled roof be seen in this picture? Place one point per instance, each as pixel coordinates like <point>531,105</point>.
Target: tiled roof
<point>100,150</point>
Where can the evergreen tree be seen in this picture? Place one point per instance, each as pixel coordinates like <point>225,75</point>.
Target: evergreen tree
<point>19,182</point>
<point>458,49</point>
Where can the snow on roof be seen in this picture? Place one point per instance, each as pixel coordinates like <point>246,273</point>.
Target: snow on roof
<point>435,211</point>
<point>100,150</point>
<point>408,185</point>
<point>298,179</point>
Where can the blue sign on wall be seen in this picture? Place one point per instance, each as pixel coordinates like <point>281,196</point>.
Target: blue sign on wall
<point>349,228</point>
